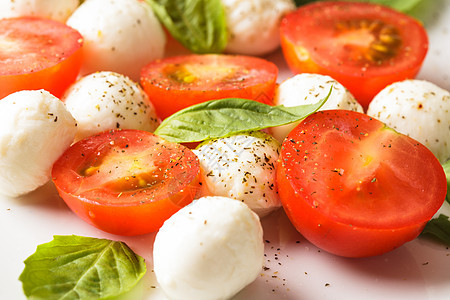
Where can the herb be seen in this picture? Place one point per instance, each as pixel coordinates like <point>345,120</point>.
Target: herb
<point>400,5</point>
<point>439,228</point>
<point>219,118</point>
<point>199,25</point>
<point>303,2</point>
<point>75,267</point>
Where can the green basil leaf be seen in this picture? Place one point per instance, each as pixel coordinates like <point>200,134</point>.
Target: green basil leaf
<point>439,228</point>
<point>75,267</point>
<point>446,167</point>
<point>400,5</point>
<point>303,2</point>
<point>219,118</point>
<point>199,25</point>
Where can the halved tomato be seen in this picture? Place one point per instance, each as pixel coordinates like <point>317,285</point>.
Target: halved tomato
<point>126,182</point>
<point>354,187</point>
<point>364,46</point>
<point>177,82</point>
<point>38,53</point>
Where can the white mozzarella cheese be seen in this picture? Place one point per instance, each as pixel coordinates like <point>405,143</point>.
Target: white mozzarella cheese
<point>419,109</point>
<point>35,129</point>
<point>253,25</point>
<point>309,89</point>
<point>119,35</point>
<point>58,10</point>
<point>241,167</point>
<point>208,250</point>
<point>108,100</point>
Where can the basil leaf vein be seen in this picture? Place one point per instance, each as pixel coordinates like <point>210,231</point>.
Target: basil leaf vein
<point>199,25</point>
<point>219,118</point>
<point>76,267</point>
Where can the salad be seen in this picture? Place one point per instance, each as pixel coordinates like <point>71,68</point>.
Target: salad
<point>292,266</point>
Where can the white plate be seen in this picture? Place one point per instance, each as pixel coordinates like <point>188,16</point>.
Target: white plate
<point>296,269</point>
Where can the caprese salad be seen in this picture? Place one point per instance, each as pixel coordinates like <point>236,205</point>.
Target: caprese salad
<point>199,146</point>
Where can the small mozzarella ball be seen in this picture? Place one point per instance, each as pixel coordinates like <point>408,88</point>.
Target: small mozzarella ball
<point>35,129</point>
<point>241,167</point>
<point>253,25</point>
<point>119,35</point>
<point>419,109</point>
<point>208,250</point>
<point>58,10</point>
<point>309,89</point>
<point>108,100</point>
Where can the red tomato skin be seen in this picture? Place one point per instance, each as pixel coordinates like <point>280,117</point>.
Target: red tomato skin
<point>363,82</point>
<point>320,220</point>
<point>126,213</point>
<point>54,79</point>
<point>52,76</point>
<point>129,220</point>
<point>339,238</point>
<point>169,97</point>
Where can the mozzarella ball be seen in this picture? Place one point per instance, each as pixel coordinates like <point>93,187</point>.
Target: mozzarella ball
<point>253,25</point>
<point>108,100</point>
<point>119,35</point>
<point>58,10</point>
<point>210,249</point>
<point>419,109</point>
<point>309,89</point>
<point>35,129</point>
<point>241,167</point>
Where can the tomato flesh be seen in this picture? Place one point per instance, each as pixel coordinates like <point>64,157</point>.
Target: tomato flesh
<point>38,53</point>
<point>177,82</point>
<point>126,182</point>
<point>362,45</point>
<point>354,187</point>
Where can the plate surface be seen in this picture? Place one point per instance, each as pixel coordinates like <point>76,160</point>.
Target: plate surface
<point>295,269</point>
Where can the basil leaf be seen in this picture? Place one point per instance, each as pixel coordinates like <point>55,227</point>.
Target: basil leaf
<point>439,228</point>
<point>446,167</point>
<point>199,25</point>
<point>219,118</point>
<point>303,2</point>
<point>75,267</point>
<point>400,5</point>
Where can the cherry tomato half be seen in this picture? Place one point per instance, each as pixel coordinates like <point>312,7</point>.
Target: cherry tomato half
<point>354,187</point>
<point>177,82</point>
<point>126,182</point>
<point>364,46</point>
<point>38,53</point>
